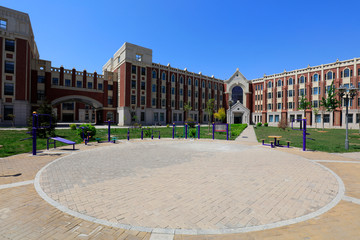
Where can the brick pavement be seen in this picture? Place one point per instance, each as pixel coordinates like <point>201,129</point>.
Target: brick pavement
<point>24,215</point>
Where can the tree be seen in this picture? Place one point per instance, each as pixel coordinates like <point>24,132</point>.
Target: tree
<point>210,109</point>
<point>316,112</point>
<point>44,120</point>
<point>304,104</point>
<point>12,117</point>
<point>187,109</point>
<point>220,115</point>
<point>330,103</point>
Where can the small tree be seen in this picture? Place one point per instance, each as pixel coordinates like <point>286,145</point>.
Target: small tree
<point>210,109</point>
<point>220,115</point>
<point>283,124</point>
<point>187,109</point>
<point>304,104</point>
<point>316,112</point>
<point>330,103</point>
<point>12,117</point>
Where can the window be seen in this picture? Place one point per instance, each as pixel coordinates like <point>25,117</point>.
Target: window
<point>110,101</point>
<point>290,105</point>
<point>142,100</point>
<point>90,85</point>
<point>221,97</point>
<point>347,73</point>
<point>133,69</point>
<point>180,116</point>
<point>133,84</point>
<point>9,89</point>
<point>138,57</point>
<point>172,91</point>
<point>279,106</point>
<point>41,79</point>
<point>173,78</point>
<point>142,85</point>
<point>196,94</point>
<point>276,118</point>
<point>153,87</point>
<point>163,76</point>
<point>279,83</point>
<point>78,83</point>
<point>181,91</point>
<point>163,89</point>
<point>271,118</point>
<point>203,95</point>
<point>172,103</point>
<point>302,79</point>
<point>203,84</point>
<point>162,117</point>
<point>143,71</point>
<point>317,118</point>
<point>326,118</point>
<point>350,118</point>
<point>316,78</point>
<point>163,102</point>
<point>100,86</point>
<point>153,101</point>
<point>315,104</point>
<point>315,91</point>
<point>8,110</point>
<point>302,92</point>
<point>189,93</point>
<point>290,82</point>
<point>3,24</point>
<point>269,106</point>
<point>290,93</point>
<point>40,95</point>
<point>181,80</point>
<point>279,94</point>
<point>215,86</point>
<point>209,95</point>
<point>210,85</point>
<point>68,106</point>
<point>358,118</point>
<point>196,82</point>
<point>269,95</point>
<point>215,97</point>
<point>153,74</point>
<point>133,99</point>
<point>110,87</point>
<point>156,117</point>
<point>67,82</point>
<point>189,81</point>
<point>221,87</point>
<point>9,45</point>
<point>329,75</point>
<point>181,104</point>
<point>9,67</point>
<point>269,85</point>
<point>174,117</point>
<point>142,116</point>
<point>55,81</point>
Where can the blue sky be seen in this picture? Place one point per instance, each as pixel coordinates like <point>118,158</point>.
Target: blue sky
<point>214,37</point>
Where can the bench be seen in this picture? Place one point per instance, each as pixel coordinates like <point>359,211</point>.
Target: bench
<point>98,140</point>
<point>114,139</point>
<point>59,139</point>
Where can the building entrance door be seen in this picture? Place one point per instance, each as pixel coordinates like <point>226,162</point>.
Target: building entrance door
<point>238,118</point>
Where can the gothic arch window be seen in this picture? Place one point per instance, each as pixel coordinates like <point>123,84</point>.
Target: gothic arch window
<point>316,77</point>
<point>269,84</point>
<point>290,81</point>
<point>329,75</point>
<point>163,76</point>
<point>189,81</point>
<point>279,83</point>
<point>237,94</point>
<point>302,79</point>
<point>203,84</point>
<point>181,79</point>
<point>347,72</point>
<point>173,78</point>
<point>154,74</point>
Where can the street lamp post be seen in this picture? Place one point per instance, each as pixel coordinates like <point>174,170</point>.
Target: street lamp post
<point>347,93</point>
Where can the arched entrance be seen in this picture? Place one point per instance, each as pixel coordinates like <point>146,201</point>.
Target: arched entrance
<point>237,94</point>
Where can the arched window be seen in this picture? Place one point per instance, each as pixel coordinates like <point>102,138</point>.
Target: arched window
<point>154,74</point>
<point>181,79</point>
<point>316,77</point>
<point>163,76</point>
<point>189,81</point>
<point>203,84</point>
<point>290,81</point>
<point>279,83</point>
<point>269,84</point>
<point>173,78</point>
<point>302,79</point>
<point>347,73</point>
<point>329,75</point>
<point>237,94</point>
<point>210,85</point>
<point>196,82</point>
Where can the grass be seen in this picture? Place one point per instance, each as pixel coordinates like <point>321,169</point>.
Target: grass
<point>10,139</point>
<point>329,140</point>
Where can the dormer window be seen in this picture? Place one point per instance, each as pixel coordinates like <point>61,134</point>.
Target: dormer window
<point>3,24</point>
<point>138,57</point>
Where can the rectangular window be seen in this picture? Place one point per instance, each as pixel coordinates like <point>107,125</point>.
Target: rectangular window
<point>133,69</point>
<point>181,104</point>
<point>110,101</point>
<point>291,93</point>
<point>156,117</point>
<point>269,95</point>
<point>138,57</point>
<point>279,106</point>
<point>143,85</point>
<point>78,84</point>
<point>3,24</point>
<point>100,86</point>
<point>142,100</point>
<point>172,91</point>
<point>269,106</point>
<point>55,81</point>
<point>162,117</point>
<point>41,79</point>
<point>350,118</point>
<point>279,94</point>
<point>276,118</point>
<point>68,106</point>
<point>133,99</point>
<point>196,94</point>
<point>9,45</point>
<point>318,118</point>
<point>163,102</point>
<point>221,97</point>
<point>290,105</point>
<point>315,104</point>
<point>172,103</point>
<point>9,89</point>
<point>133,84</point>
<point>326,118</point>
<point>315,91</point>
<point>302,92</point>
<point>40,95</point>
<point>110,87</point>
<point>181,91</point>
<point>153,101</point>
<point>180,116</point>
<point>67,82</point>
<point>271,118</point>
<point>209,95</point>
<point>153,87</point>
<point>203,95</point>
<point>174,117</point>
<point>9,67</point>
<point>358,118</point>
<point>163,89</point>
<point>90,85</point>
<point>8,110</point>
<point>143,71</point>
<point>189,93</point>
<point>142,116</point>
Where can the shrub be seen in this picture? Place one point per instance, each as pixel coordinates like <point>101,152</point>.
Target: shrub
<point>192,133</point>
<point>266,124</point>
<point>168,126</point>
<point>283,124</point>
<point>190,122</point>
<point>259,124</point>
<point>73,126</point>
<point>85,129</point>
<point>147,132</point>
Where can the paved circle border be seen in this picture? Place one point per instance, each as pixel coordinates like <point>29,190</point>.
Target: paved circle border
<point>324,209</point>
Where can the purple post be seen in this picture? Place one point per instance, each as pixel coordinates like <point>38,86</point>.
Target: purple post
<point>159,134</point>
<point>185,130</point>
<point>108,131</point>
<point>227,131</point>
<point>34,133</point>
<point>173,130</point>
<point>213,131</point>
<point>128,135</point>
<point>304,135</point>
<point>142,134</point>
<point>199,131</point>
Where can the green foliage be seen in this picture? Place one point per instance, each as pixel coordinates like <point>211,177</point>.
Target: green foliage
<point>187,107</point>
<point>220,115</point>
<point>147,132</point>
<point>266,124</point>
<point>73,126</point>
<point>210,108</point>
<point>191,123</point>
<point>44,121</point>
<point>168,126</point>
<point>259,124</point>
<point>304,103</point>
<point>236,129</point>
<point>192,133</point>
<point>85,129</point>
<point>330,103</point>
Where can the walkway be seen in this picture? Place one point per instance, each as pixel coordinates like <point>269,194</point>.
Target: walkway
<point>248,135</point>
<point>161,190</point>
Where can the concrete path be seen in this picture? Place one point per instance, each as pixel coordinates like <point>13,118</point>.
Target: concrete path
<point>248,135</point>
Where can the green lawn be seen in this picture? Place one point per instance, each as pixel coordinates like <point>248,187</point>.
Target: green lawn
<point>327,140</point>
<point>10,139</point>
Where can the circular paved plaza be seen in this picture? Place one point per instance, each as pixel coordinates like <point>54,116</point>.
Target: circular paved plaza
<point>189,186</point>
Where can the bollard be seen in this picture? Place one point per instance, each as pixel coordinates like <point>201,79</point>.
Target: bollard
<point>227,131</point>
<point>186,130</point>
<point>173,131</point>
<point>128,135</point>
<point>142,134</point>
<point>304,135</point>
<point>199,131</point>
<point>213,131</point>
